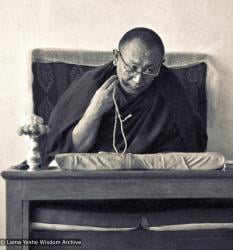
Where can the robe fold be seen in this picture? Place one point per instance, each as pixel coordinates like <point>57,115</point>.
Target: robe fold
<point>163,119</point>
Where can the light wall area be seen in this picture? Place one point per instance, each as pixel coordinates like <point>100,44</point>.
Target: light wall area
<point>185,25</point>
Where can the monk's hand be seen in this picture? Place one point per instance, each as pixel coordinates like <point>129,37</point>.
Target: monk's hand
<point>102,100</point>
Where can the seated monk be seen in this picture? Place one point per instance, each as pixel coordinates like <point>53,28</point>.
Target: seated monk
<point>133,104</point>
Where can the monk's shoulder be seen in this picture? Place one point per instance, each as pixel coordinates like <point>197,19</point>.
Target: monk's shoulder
<point>171,88</point>
<point>168,79</point>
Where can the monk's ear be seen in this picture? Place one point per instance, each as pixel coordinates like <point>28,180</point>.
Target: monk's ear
<point>115,56</point>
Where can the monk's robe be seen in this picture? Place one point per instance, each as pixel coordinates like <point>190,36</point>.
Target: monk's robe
<point>163,119</point>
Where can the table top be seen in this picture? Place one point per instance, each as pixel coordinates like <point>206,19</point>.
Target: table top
<point>57,173</point>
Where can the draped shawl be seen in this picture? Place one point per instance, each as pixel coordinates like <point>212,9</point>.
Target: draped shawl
<point>162,117</point>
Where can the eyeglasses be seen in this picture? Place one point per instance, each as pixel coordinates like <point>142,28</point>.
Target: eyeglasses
<point>131,69</point>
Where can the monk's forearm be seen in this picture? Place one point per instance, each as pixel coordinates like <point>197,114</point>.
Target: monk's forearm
<point>85,132</point>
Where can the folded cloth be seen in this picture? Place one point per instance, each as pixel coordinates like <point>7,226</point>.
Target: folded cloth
<point>62,227</point>
<point>181,227</point>
<point>102,215</point>
<point>166,161</point>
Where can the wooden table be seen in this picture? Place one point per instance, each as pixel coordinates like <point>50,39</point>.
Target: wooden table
<point>23,187</point>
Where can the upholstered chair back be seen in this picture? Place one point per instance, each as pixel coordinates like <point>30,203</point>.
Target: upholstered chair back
<point>54,70</point>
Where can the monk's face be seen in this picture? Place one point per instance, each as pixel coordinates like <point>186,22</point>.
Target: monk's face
<point>137,66</point>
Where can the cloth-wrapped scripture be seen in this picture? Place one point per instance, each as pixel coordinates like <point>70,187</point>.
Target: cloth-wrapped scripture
<point>166,161</point>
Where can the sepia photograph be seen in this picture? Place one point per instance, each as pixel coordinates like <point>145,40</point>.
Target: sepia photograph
<point>116,124</point>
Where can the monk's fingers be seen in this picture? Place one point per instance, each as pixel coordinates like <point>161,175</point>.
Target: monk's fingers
<point>109,82</point>
<point>113,85</point>
<point>109,90</point>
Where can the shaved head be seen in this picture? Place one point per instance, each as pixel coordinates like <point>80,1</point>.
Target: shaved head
<point>150,39</point>
<point>138,60</point>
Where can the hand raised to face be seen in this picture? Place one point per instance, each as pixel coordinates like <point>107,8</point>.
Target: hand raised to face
<point>102,100</point>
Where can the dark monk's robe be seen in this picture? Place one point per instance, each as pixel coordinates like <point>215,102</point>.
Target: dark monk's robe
<point>163,119</point>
